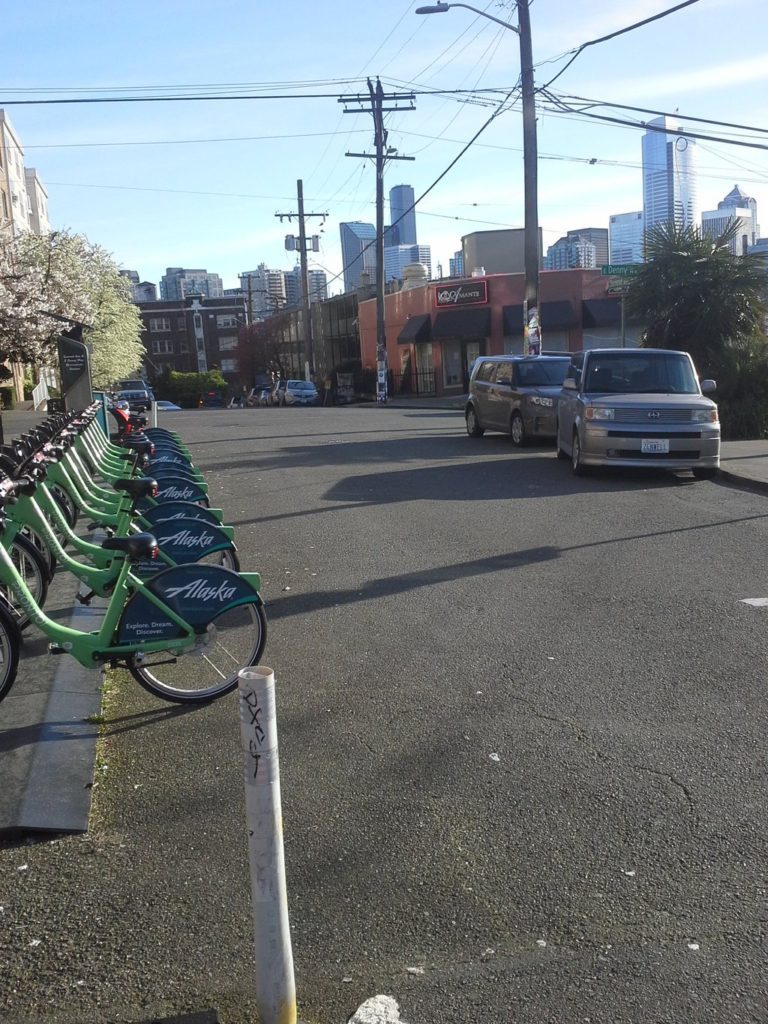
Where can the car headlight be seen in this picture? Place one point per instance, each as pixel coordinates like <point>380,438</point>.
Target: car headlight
<point>598,412</point>
<point>705,416</point>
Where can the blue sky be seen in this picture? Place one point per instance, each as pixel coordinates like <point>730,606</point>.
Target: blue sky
<point>179,195</point>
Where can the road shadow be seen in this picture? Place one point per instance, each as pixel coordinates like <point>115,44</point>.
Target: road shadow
<point>298,604</point>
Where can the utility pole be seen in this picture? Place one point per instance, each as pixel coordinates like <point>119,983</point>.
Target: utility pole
<point>291,243</point>
<point>531,312</point>
<point>376,99</point>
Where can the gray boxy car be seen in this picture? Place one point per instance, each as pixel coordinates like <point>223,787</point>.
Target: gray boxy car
<point>638,407</point>
<point>517,395</point>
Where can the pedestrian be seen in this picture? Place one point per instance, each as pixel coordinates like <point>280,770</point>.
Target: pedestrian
<point>328,390</point>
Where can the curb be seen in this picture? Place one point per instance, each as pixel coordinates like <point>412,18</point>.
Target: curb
<point>746,483</point>
<point>57,794</point>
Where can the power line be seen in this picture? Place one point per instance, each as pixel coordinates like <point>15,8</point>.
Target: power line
<point>185,142</point>
<point>647,126</point>
<point>612,35</point>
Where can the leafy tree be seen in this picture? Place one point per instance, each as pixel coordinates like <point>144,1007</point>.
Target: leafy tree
<point>695,295</point>
<point>258,348</point>
<point>66,275</point>
<point>186,388</point>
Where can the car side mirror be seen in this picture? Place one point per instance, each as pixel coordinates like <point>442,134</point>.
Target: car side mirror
<point>707,386</point>
<point>570,384</point>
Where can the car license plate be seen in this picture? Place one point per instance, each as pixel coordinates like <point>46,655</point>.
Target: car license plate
<point>648,447</point>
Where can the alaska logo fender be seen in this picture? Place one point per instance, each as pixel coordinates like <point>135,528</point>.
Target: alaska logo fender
<point>176,489</point>
<point>197,593</point>
<point>178,510</point>
<point>184,540</point>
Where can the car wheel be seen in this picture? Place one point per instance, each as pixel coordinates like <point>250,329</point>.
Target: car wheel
<point>517,431</point>
<point>578,467</point>
<point>473,424</point>
<point>705,472</point>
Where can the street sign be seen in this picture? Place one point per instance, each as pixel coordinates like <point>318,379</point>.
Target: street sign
<point>619,269</point>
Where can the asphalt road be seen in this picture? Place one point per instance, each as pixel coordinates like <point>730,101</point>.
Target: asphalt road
<point>522,722</point>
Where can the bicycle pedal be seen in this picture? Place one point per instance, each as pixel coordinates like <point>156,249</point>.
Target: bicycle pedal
<point>86,598</point>
<point>59,648</point>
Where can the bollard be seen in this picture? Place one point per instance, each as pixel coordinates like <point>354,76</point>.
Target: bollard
<point>275,984</point>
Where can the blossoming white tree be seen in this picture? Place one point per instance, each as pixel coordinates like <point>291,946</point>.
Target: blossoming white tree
<point>66,275</point>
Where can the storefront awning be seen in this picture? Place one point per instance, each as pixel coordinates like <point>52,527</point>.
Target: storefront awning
<point>558,316</point>
<point>555,316</point>
<point>601,312</point>
<point>417,328</point>
<point>513,319</point>
<point>462,323</point>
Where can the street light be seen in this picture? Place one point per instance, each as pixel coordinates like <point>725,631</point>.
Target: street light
<point>530,160</point>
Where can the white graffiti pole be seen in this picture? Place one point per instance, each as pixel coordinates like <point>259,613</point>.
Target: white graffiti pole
<point>275,984</point>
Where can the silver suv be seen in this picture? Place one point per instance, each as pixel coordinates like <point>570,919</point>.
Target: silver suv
<point>515,394</point>
<point>638,407</point>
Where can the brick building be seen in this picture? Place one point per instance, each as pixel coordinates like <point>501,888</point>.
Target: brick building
<point>193,335</point>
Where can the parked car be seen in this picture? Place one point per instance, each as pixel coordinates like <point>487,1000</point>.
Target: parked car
<point>515,394</point>
<point>211,400</point>
<point>638,407</point>
<point>300,392</point>
<point>136,399</point>
<point>163,405</point>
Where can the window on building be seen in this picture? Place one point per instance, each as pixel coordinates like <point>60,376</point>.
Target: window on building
<point>227,343</point>
<point>160,323</point>
<point>229,366</point>
<point>226,320</point>
<point>181,323</point>
<point>162,346</point>
<point>5,203</point>
<point>183,346</point>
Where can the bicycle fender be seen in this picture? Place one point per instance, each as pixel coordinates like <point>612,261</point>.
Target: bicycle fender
<point>185,540</point>
<point>177,489</point>
<point>194,592</point>
<point>181,510</point>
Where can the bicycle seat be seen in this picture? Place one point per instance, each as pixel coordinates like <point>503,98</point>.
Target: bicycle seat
<point>135,546</point>
<point>137,487</point>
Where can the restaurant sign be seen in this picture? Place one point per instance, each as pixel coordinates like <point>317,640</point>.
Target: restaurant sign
<point>466,294</point>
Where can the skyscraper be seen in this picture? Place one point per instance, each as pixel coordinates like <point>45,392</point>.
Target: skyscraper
<point>401,198</point>
<point>358,252</point>
<point>456,264</point>
<point>738,206</point>
<point>670,191</point>
<point>264,289</point>
<point>571,253</point>
<point>625,237</point>
<point>318,289</point>
<point>178,282</point>
<point>597,236</point>
<point>398,257</point>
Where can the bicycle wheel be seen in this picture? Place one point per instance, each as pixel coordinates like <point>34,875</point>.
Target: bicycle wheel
<point>32,569</point>
<point>10,641</point>
<point>233,640</point>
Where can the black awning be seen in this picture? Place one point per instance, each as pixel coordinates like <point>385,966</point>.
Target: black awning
<point>513,319</point>
<point>558,316</point>
<point>417,328</point>
<point>462,323</point>
<point>601,312</point>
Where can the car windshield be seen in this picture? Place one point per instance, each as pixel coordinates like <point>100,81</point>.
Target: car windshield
<point>641,372</point>
<point>545,373</point>
<point>301,385</point>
